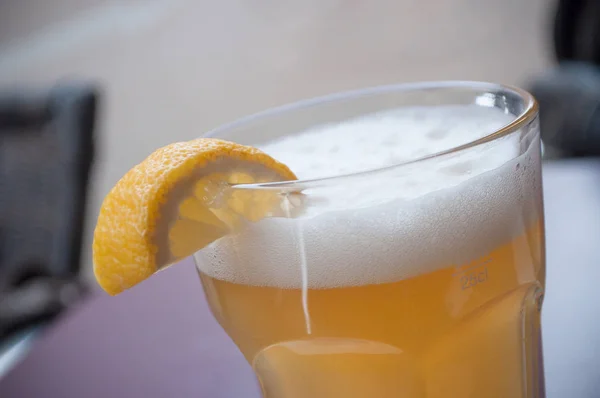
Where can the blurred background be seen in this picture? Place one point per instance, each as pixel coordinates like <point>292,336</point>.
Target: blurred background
<point>125,77</point>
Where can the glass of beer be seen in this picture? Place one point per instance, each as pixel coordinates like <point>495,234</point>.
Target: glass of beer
<point>407,260</point>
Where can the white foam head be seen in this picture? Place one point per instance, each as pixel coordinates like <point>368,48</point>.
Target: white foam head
<point>392,224</point>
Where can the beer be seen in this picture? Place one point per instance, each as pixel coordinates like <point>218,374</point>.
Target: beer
<point>421,282</point>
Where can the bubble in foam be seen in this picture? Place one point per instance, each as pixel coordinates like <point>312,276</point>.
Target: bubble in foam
<point>393,224</point>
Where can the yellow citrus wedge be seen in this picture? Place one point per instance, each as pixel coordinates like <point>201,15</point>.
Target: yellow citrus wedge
<point>176,202</point>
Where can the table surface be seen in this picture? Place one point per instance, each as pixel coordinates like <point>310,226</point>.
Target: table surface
<point>159,339</point>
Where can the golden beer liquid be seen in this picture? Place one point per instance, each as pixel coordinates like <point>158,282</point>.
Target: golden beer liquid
<point>467,330</point>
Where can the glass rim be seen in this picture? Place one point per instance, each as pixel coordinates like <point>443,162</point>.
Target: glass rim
<point>528,114</point>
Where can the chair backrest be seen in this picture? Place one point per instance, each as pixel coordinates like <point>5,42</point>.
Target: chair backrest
<point>46,151</point>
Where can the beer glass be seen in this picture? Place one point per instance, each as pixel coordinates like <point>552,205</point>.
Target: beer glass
<point>423,278</point>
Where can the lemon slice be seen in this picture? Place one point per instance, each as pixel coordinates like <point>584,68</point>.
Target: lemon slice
<point>176,202</point>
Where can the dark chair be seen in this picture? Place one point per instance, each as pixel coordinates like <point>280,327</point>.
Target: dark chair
<point>576,31</point>
<point>46,151</point>
<point>569,93</point>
